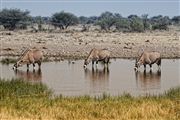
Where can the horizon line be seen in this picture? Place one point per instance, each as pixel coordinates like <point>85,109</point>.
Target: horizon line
<point>92,1</point>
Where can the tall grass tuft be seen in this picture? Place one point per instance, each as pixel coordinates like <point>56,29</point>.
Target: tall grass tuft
<point>173,93</point>
<point>21,88</point>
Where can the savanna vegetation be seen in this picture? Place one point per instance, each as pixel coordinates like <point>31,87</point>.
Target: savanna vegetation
<point>20,99</point>
<point>17,19</point>
<point>24,100</point>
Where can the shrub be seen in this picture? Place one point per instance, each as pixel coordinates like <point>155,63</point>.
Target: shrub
<point>106,24</point>
<point>106,21</point>
<point>136,24</point>
<point>83,20</point>
<point>146,23</point>
<point>122,25</point>
<point>14,18</point>
<point>39,20</point>
<point>176,20</point>
<point>160,22</point>
<point>63,20</point>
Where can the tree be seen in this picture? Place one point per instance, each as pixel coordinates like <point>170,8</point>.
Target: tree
<point>106,21</point>
<point>117,15</point>
<point>176,20</point>
<point>106,15</point>
<point>132,16</point>
<point>122,24</point>
<point>92,20</point>
<point>63,20</point>
<point>83,20</point>
<point>136,23</point>
<point>11,18</point>
<point>39,20</point>
<point>146,22</point>
<point>160,22</point>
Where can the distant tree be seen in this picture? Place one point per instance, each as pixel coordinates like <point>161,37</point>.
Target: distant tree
<point>117,15</point>
<point>46,19</point>
<point>122,24</point>
<point>166,20</point>
<point>146,22</point>
<point>92,20</point>
<point>132,16</point>
<point>136,23</point>
<point>12,18</point>
<point>63,20</point>
<point>83,20</point>
<point>176,20</point>
<point>106,21</point>
<point>106,15</point>
<point>160,22</point>
<point>39,20</point>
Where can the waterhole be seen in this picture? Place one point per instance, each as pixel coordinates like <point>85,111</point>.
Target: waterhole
<point>69,78</point>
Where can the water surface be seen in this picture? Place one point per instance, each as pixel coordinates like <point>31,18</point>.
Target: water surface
<point>71,79</point>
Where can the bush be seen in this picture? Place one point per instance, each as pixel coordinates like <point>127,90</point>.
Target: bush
<point>136,24</point>
<point>122,25</point>
<point>14,18</point>
<point>106,21</point>
<point>146,23</point>
<point>159,26</point>
<point>160,22</point>
<point>176,20</point>
<point>83,20</point>
<point>92,20</point>
<point>106,24</point>
<point>63,20</point>
<point>39,20</point>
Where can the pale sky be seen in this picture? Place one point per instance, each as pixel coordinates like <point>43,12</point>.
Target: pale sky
<point>96,7</point>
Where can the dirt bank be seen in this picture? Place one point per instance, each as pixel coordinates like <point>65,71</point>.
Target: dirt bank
<point>78,44</point>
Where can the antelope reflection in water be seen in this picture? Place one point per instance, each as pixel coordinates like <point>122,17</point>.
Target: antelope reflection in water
<point>148,80</point>
<point>99,79</point>
<point>35,75</point>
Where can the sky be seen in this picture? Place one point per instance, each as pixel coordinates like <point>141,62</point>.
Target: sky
<point>96,7</point>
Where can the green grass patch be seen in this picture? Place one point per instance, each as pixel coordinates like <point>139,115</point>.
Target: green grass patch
<point>21,88</point>
<point>24,100</point>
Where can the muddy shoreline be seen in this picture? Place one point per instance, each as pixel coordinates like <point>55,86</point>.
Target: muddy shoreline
<point>76,45</point>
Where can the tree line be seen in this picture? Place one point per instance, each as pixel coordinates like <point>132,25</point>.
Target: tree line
<point>12,19</point>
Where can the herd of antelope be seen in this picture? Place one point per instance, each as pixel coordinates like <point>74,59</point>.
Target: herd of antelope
<point>33,56</point>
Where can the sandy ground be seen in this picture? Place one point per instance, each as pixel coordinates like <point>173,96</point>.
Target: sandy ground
<point>78,44</point>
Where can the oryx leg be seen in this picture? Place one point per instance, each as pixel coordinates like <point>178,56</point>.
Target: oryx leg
<point>39,64</point>
<point>92,63</point>
<point>106,61</point>
<point>96,63</point>
<point>144,66</point>
<point>150,71</point>
<point>27,66</point>
<point>159,64</point>
<point>32,61</point>
<point>33,70</point>
<point>33,66</point>
<point>150,65</point>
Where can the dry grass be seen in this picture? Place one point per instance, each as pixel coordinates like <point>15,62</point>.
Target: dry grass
<point>77,45</point>
<point>34,101</point>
